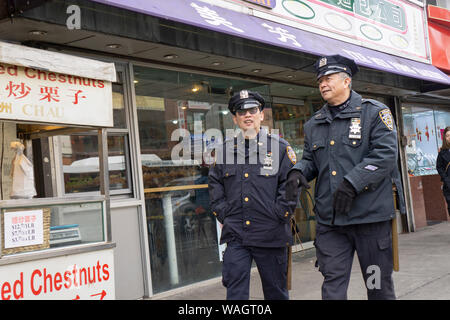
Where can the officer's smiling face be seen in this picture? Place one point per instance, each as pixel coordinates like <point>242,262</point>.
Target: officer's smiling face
<point>334,88</point>
<point>249,122</point>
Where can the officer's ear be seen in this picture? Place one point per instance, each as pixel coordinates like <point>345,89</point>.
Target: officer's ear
<point>234,119</point>
<point>262,115</point>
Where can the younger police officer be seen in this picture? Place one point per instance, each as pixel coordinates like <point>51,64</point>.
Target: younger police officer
<point>247,194</point>
<point>351,148</point>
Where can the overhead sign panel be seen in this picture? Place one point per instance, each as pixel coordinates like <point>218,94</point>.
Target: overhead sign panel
<point>392,26</point>
<point>242,25</point>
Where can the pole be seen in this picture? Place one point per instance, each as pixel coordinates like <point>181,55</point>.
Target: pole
<point>395,244</point>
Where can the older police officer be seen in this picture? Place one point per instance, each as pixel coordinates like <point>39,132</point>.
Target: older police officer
<point>351,149</point>
<point>247,194</point>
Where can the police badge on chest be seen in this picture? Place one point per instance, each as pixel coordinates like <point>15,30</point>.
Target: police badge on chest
<point>355,128</point>
<point>268,161</point>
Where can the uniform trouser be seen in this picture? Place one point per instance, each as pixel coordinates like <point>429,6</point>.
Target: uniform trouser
<point>335,248</point>
<point>272,268</point>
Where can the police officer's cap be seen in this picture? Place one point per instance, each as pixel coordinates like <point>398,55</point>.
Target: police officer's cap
<point>245,100</point>
<point>336,63</point>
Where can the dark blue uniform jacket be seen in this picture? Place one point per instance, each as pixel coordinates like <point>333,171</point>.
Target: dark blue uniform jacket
<point>332,153</point>
<point>247,191</point>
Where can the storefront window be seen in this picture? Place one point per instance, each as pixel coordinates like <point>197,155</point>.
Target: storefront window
<point>181,229</point>
<point>80,153</point>
<point>81,165</point>
<point>47,221</point>
<point>423,127</point>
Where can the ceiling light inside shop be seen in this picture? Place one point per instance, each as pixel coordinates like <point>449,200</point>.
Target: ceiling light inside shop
<point>170,56</point>
<point>224,112</point>
<point>37,33</point>
<point>113,46</point>
<point>174,121</point>
<point>195,89</point>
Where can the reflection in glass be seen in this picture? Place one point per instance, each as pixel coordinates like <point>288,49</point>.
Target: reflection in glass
<point>181,228</point>
<point>81,166</point>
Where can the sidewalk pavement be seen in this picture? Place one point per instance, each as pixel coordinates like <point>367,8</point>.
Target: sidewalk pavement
<point>424,273</point>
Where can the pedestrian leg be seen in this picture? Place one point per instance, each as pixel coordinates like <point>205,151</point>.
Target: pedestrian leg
<point>272,268</point>
<point>237,261</point>
<point>334,251</point>
<point>374,249</point>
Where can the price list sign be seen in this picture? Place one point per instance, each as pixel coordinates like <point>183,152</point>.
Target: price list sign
<point>23,228</point>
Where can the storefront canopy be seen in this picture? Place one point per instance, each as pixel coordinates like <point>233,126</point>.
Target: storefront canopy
<point>243,25</point>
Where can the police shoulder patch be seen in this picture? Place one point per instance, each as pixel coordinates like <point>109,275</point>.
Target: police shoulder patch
<point>386,117</point>
<point>291,154</point>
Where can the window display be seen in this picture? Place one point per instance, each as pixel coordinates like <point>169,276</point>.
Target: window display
<point>423,127</point>
<point>46,221</point>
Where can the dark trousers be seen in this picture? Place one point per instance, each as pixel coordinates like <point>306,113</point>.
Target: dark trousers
<point>335,248</point>
<point>272,268</point>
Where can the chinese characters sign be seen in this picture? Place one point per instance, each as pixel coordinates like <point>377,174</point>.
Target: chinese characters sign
<point>392,26</point>
<point>23,228</point>
<point>286,30</point>
<point>35,95</point>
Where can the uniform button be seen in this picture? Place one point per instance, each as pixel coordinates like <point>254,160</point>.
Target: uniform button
<point>354,142</point>
<point>314,146</point>
<point>267,174</point>
<point>333,173</point>
<point>226,174</point>
<point>247,222</point>
<point>214,213</point>
<point>286,214</point>
<point>246,175</point>
<point>246,199</point>
<point>332,142</point>
<point>366,188</point>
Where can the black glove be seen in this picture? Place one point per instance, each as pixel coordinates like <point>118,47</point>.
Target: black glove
<point>295,180</point>
<point>343,198</point>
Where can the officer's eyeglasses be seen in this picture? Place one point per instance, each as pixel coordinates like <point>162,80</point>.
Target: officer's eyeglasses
<point>243,112</point>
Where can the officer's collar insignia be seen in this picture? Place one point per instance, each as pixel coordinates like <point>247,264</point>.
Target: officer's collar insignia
<point>322,62</point>
<point>291,154</point>
<point>386,117</point>
<point>355,128</point>
<point>243,94</point>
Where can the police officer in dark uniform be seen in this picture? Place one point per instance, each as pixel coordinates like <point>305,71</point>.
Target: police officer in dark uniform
<point>247,194</point>
<point>351,149</point>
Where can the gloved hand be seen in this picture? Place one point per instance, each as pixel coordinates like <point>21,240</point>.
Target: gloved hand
<point>343,197</point>
<point>295,180</point>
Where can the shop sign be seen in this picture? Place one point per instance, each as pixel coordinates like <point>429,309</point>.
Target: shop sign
<point>28,94</point>
<point>86,276</point>
<point>303,34</point>
<point>392,26</point>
